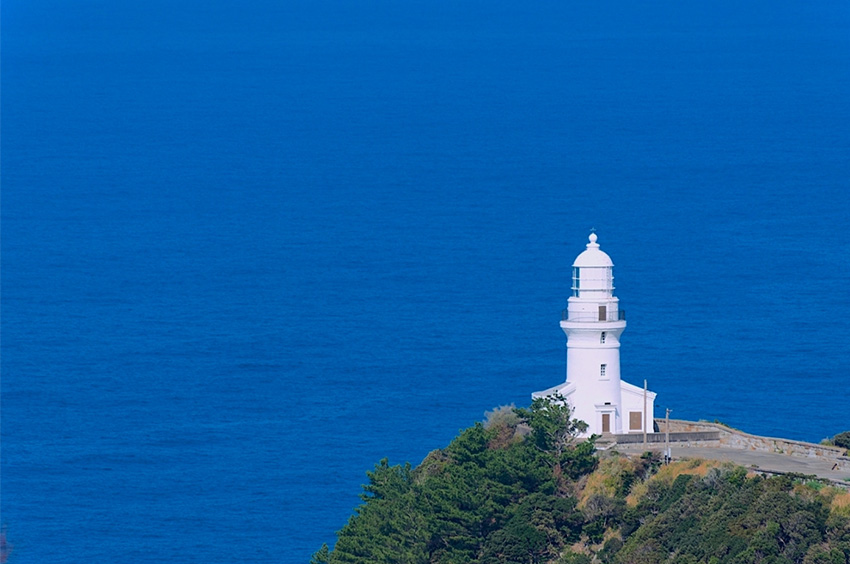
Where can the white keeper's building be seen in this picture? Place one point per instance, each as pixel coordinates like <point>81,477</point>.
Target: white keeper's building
<point>593,323</point>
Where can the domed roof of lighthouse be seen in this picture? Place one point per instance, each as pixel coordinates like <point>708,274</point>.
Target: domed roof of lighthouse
<point>593,257</point>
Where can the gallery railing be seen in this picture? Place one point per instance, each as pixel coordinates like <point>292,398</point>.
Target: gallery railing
<point>591,316</point>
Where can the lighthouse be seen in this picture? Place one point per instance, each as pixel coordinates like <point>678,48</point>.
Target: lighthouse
<point>593,323</point>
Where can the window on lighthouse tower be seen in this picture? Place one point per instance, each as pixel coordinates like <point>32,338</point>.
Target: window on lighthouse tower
<point>576,280</point>
<point>602,338</point>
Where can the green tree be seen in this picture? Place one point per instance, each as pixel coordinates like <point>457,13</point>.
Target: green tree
<point>321,556</point>
<point>554,432</point>
<point>389,527</point>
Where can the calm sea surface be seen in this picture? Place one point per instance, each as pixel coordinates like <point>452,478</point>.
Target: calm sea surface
<point>248,250</point>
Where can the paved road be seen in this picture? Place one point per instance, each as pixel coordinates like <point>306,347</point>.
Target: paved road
<point>821,467</point>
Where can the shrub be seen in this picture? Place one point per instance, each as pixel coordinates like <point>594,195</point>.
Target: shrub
<point>575,558</point>
<point>842,440</point>
<point>502,416</point>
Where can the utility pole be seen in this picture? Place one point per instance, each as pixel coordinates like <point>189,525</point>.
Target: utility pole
<point>644,413</point>
<point>667,456</point>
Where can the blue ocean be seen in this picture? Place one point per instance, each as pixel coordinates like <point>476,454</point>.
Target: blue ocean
<point>250,249</point>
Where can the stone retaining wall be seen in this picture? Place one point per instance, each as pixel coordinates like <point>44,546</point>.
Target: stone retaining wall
<point>734,438</point>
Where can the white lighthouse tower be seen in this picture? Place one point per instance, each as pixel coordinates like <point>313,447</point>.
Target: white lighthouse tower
<point>593,323</point>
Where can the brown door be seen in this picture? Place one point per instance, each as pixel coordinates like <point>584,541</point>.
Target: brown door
<point>603,313</point>
<point>606,422</point>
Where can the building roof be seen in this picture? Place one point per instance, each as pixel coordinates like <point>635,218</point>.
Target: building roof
<point>593,257</point>
<point>635,390</point>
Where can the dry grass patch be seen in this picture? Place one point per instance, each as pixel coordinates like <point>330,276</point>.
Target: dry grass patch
<point>692,467</point>
<point>606,480</point>
<point>637,493</point>
<point>837,498</point>
<point>840,503</point>
<point>667,474</point>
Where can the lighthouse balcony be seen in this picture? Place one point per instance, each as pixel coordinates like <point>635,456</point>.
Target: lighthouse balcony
<point>593,316</point>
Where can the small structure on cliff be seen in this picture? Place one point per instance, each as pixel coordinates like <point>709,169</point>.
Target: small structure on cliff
<point>593,323</point>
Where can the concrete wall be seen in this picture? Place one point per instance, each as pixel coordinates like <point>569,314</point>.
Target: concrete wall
<point>696,438</point>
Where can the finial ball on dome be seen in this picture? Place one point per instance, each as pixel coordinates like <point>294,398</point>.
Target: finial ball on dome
<point>593,257</point>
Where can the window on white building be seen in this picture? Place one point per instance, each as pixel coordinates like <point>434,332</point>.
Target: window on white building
<point>602,338</point>
<point>602,368</point>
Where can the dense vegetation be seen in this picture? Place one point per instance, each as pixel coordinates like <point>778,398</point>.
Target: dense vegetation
<point>521,489</point>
